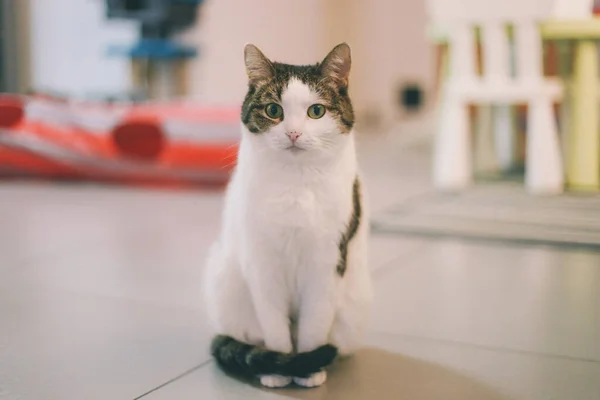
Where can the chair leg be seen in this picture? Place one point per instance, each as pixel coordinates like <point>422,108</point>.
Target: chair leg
<point>506,136</point>
<point>583,168</point>
<point>544,168</point>
<point>453,169</point>
<point>485,149</point>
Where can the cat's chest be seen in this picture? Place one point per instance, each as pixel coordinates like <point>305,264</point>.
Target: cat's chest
<point>319,207</point>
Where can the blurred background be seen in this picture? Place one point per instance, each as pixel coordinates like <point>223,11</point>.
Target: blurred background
<point>46,49</point>
<point>479,142</point>
<point>149,90</point>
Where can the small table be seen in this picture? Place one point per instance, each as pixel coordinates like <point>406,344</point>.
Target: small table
<point>583,150</point>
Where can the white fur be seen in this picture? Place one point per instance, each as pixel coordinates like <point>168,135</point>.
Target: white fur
<point>275,381</point>
<point>275,260</point>
<point>314,380</point>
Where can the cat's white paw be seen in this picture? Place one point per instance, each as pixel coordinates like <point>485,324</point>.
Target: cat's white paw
<point>275,381</point>
<point>314,380</point>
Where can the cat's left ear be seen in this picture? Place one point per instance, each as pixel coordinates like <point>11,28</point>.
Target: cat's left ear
<point>337,63</point>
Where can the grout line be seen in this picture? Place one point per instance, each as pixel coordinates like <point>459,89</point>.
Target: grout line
<point>189,371</point>
<point>487,347</point>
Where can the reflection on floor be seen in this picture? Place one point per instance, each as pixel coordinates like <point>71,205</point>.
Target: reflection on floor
<point>100,299</point>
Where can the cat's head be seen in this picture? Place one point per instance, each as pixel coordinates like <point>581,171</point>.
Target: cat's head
<point>298,111</point>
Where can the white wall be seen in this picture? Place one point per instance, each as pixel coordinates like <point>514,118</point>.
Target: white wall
<point>396,51</point>
<point>387,38</point>
<point>287,31</point>
<point>69,42</point>
<point>389,48</point>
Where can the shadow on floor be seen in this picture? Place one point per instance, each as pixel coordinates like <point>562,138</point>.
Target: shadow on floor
<point>377,374</point>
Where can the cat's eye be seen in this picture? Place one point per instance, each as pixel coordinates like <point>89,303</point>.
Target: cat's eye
<point>316,111</point>
<point>274,110</point>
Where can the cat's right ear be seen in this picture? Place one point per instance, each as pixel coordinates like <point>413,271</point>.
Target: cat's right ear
<point>258,66</point>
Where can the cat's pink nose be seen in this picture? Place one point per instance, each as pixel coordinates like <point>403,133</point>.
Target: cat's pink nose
<point>293,135</point>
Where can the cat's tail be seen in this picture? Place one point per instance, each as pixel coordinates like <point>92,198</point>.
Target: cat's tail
<point>250,361</point>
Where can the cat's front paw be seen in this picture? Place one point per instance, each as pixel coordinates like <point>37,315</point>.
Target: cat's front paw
<point>275,381</point>
<point>314,380</point>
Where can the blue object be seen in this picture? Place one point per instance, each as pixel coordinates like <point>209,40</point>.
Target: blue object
<point>155,49</point>
<point>186,1</point>
<point>158,18</point>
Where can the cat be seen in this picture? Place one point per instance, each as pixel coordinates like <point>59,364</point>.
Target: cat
<point>287,283</point>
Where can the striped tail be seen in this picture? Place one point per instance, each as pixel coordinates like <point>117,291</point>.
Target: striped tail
<point>249,361</point>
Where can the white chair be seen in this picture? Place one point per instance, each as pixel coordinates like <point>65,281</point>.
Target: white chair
<point>572,9</point>
<point>498,88</point>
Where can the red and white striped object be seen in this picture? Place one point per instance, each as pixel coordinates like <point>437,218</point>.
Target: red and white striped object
<point>167,143</point>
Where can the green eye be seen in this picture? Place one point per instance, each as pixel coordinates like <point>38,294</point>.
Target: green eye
<point>316,111</point>
<point>274,110</point>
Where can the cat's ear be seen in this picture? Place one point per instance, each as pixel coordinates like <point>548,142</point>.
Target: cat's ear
<point>258,67</point>
<point>337,63</point>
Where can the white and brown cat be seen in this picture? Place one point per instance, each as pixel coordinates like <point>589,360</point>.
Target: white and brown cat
<point>287,284</point>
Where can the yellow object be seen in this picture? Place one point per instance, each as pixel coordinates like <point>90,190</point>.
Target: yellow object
<point>583,162</point>
<point>583,149</point>
<point>571,30</point>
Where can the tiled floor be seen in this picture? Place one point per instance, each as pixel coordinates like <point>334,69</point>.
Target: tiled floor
<point>100,299</point>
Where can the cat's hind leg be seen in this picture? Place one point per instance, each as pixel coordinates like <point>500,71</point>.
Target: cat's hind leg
<point>348,330</point>
<point>354,302</point>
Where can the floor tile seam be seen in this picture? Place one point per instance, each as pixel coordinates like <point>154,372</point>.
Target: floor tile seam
<point>497,349</point>
<point>175,379</point>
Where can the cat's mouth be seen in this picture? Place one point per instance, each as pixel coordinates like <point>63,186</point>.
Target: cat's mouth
<point>295,149</point>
